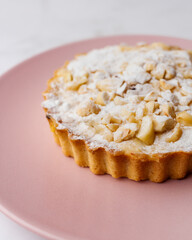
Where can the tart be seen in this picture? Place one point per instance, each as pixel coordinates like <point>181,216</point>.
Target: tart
<point>125,110</point>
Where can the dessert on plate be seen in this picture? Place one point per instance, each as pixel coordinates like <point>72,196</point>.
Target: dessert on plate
<point>125,110</point>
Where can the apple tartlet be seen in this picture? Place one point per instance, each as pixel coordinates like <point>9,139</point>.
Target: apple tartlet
<point>125,111</point>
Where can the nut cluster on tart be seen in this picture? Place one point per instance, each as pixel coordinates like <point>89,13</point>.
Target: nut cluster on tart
<point>126,111</point>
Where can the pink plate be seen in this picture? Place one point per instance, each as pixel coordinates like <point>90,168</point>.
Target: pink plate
<point>50,195</point>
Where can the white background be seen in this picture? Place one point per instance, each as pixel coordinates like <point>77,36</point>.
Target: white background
<point>28,27</point>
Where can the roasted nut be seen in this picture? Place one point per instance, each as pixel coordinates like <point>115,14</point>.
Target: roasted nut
<point>182,64</point>
<point>146,132</point>
<point>74,85</point>
<point>168,110</point>
<point>115,119</point>
<point>159,45</point>
<point>174,82</point>
<point>165,85</point>
<point>67,76</point>
<point>122,89</point>
<point>134,99</point>
<point>65,73</point>
<point>124,48</point>
<point>102,98</point>
<point>190,54</point>
<point>140,111</point>
<point>159,71</point>
<point>151,96</point>
<point>157,111</point>
<point>175,134</point>
<point>149,66</point>
<point>88,108</point>
<point>156,84</point>
<point>100,75</point>
<point>112,96</point>
<point>187,73</point>
<point>119,100</point>
<point>185,101</point>
<point>170,73</point>
<point>151,106</point>
<point>184,118</point>
<point>104,131</point>
<point>111,119</point>
<point>129,116</point>
<point>82,89</point>
<point>104,85</point>
<point>125,132</point>
<point>183,108</point>
<point>186,88</point>
<point>90,132</point>
<point>112,126</point>
<point>163,123</point>
<point>111,122</point>
<point>170,97</point>
<point>108,85</point>
<point>107,135</point>
<point>184,92</point>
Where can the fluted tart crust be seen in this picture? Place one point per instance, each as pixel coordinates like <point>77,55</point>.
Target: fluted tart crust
<point>125,111</point>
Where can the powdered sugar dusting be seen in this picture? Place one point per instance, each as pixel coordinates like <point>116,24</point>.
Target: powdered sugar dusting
<point>123,74</point>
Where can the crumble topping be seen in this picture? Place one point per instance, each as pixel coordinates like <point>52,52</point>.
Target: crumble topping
<point>123,97</point>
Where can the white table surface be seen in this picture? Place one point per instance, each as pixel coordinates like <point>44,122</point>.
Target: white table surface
<point>28,27</point>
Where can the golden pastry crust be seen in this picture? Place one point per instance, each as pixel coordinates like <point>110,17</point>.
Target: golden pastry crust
<point>134,165</point>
